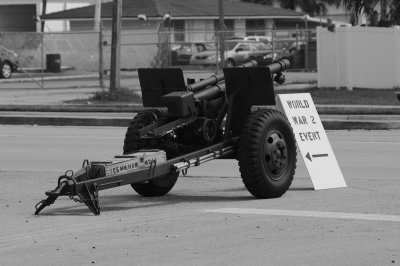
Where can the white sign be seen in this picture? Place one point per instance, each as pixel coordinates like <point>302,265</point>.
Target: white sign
<point>312,140</point>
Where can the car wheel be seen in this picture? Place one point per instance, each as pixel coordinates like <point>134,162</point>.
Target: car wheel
<point>6,70</point>
<point>230,63</point>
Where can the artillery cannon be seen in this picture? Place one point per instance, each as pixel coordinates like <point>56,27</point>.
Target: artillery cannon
<point>230,115</point>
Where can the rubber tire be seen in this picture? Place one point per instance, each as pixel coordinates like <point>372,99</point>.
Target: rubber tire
<point>132,141</point>
<point>5,70</point>
<point>269,127</point>
<point>230,63</point>
<point>158,186</point>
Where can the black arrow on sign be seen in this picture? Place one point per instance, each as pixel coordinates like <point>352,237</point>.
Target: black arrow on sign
<point>308,156</point>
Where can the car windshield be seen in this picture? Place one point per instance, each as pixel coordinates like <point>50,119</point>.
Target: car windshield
<point>260,46</point>
<point>4,49</point>
<point>210,46</point>
<point>7,53</point>
<point>231,45</point>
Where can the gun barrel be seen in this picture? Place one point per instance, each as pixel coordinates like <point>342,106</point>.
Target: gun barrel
<point>279,66</point>
<point>214,79</point>
<point>205,91</point>
<point>211,92</point>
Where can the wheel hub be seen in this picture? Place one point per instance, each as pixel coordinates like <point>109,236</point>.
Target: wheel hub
<point>275,155</point>
<point>278,154</point>
<point>6,70</point>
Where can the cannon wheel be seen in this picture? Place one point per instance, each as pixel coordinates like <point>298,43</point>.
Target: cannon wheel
<point>267,154</point>
<point>160,185</point>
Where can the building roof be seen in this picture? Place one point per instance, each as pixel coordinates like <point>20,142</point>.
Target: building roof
<point>178,9</point>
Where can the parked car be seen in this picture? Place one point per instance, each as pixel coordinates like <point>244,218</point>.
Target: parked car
<point>264,39</point>
<point>8,62</point>
<point>180,55</point>
<point>236,52</point>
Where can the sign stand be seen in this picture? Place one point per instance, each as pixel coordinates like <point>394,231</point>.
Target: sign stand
<point>312,140</point>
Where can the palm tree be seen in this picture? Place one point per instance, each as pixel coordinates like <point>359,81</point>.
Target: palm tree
<point>394,13</point>
<point>354,7</point>
<point>262,2</point>
<point>358,7</point>
<point>311,7</point>
<point>367,7</point>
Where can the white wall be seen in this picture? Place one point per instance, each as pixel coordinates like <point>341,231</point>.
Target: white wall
<point>365,57</point>
<point>199,30</point>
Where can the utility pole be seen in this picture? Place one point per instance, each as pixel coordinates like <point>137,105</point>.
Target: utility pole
<point>221,31</point>
<point>115,74</point>
<point>97,16</point>
<point>44,8</point>
<point>98,28</point>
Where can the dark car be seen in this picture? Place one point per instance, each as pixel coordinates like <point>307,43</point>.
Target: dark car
<point>8,62</point>
<point>181,54</point>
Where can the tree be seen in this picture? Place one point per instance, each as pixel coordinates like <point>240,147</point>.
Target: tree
<point>311,7</point>
<point>368,7</point>
<point>357,8</point>
<point>389,9</point>
<point>262,2</point>
<point>394,13</point>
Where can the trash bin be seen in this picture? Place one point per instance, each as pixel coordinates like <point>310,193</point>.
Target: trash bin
<point>53,63</point>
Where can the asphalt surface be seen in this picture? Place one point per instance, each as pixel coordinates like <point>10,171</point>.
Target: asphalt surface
<point>208,218</point>
<point>22,101</point>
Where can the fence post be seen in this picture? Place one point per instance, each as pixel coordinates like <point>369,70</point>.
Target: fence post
<point>101,61</point>
<point>273,41</point>
<point>221,31</point>
<point>217,52</point>
<point>306,47</point>
<point>396,32</point>
<point>348,58</point>
<point>42,33</point>
<point>319,54</point>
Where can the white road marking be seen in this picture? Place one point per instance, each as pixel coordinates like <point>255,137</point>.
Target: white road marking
<point>315,214</point>
<point>61,136</point>
<point>369,142</point>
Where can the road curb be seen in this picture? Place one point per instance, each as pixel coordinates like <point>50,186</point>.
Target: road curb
<point>64,121</point>
<point>359,109</point>
<point>123,108</point>
<point>329,124</point>
<point>48,78</point>
<point>360,124</point>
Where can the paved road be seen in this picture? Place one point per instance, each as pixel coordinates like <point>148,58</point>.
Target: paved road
<point>207,219</point>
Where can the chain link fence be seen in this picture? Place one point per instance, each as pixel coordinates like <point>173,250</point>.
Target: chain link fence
<point>76,53</point>
<point>298,45</point>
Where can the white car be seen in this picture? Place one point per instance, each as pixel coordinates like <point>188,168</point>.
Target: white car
<point>237,52</point>
<point>267,40</point>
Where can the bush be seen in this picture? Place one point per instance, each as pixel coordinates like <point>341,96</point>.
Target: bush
<point>119,95</point>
